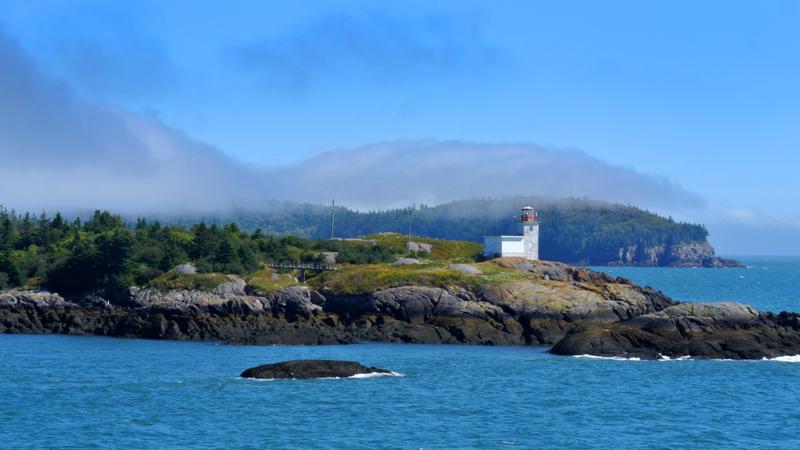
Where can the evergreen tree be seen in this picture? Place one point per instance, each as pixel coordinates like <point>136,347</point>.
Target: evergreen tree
<point>43,230</point>
<point>11,268</point>
<point>27,232</point>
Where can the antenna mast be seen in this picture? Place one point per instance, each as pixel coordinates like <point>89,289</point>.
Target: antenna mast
<point>333,215</point>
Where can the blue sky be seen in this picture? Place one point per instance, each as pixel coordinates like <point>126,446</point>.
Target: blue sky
<point>703,95</point>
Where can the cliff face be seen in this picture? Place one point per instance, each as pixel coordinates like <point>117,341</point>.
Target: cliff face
<point>697,254</point>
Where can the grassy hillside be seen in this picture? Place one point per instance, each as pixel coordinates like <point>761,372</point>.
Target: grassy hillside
<point>442,249</point>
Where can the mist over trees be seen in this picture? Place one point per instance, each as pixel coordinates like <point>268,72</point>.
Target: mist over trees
<point>572,230</point>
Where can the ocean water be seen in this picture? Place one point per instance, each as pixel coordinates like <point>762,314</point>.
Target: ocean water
<point>91,392</point>
<point>766,283</point>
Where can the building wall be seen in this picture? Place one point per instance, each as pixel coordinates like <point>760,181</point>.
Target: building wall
<point>524,246</point>
<point>503,246</point>
<point>512,246</point>
<point>531,233</point>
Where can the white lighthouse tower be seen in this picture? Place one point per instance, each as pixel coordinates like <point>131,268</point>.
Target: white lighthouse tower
<point>525,245</point>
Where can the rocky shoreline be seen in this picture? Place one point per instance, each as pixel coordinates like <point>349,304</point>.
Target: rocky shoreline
<point>576,310</point>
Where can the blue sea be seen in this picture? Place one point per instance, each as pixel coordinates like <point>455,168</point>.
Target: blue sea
<point>90,392</point>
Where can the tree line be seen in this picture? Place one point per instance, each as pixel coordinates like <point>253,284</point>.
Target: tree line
<point>104,253</point>
<point>107,251</point>
<point>578,231</point>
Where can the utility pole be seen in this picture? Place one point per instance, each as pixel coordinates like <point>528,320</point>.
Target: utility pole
<point>333,215</point>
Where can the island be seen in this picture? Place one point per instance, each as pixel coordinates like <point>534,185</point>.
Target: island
<point>439,293</point>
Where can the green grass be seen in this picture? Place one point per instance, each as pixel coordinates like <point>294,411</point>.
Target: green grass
<point>198,281</point>
<point>442,249</point>
<point>495,275</point>
<point>365,279</point>
<point>268,280</point>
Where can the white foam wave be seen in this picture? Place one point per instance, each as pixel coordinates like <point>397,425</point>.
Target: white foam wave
<point>788,358</point>
<point>791,359</point>
<point>611,358</point>
<point>667,358</point>
<point>377,374</point>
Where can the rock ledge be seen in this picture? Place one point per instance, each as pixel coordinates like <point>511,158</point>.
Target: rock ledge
<point>311,368</point>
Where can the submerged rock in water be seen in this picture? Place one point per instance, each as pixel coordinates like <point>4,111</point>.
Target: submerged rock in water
<point>310,368</point>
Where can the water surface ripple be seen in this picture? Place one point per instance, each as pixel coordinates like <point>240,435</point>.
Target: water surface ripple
<point>90,392</point>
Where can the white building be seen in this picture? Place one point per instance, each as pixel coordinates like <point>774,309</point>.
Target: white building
<point>525,245</point>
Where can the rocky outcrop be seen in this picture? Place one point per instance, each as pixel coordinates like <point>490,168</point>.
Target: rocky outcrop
<point>698,255</point>
<point>414,247</point>
<point>539,308</point>
<point>698,330</point>
<point>695,254</point>
<point>406,261</point>
<point>311,368</point>
<point>466,269</point>
<point>184,269</point>
<point>536,302</point>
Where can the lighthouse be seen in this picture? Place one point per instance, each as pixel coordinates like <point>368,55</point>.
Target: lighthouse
<point>523,245</point>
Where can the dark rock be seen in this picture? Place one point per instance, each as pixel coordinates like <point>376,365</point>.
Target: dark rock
<point>578,310</point>
<point>310,368</point>
<point>699,330</point>
<point>537,311</point>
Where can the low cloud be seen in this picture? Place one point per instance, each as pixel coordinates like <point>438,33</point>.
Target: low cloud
<point>373,48</point>
<point>60,152</point>
<point>398,173</point>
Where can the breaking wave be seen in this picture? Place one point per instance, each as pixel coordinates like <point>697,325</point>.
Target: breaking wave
<point>611,358</point>
<point>679,358</point>
<point>377,374</point>
<point>791,359</point>
<point>788,358</point>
